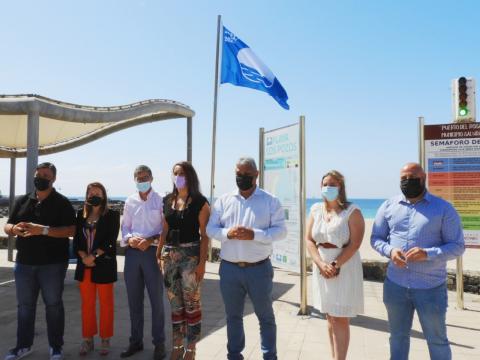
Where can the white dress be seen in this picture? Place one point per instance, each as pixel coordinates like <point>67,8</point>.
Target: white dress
<point>341,296</point>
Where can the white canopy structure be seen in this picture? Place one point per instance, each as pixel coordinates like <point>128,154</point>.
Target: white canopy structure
<point>63,126</point>
<point>33,125</point>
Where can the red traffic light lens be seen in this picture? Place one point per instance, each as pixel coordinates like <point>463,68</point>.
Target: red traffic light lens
<point>462,81</point>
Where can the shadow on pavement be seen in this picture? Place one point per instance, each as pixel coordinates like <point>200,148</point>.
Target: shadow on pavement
<point>212,306</point>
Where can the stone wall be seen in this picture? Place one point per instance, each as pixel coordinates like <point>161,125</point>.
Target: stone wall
<point>376,270</point>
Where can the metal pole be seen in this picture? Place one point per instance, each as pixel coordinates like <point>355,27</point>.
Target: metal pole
<point>421,142</point>
<point>11,201</point>
<point>459,281</point>
<point>214,126</point>
<point>32,147</point>
<point>303,255</point>
<point>261,157</point>
<point>189,139</point>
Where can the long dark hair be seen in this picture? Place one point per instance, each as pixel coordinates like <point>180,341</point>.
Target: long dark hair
<point>87,209</point>
<point>191,178</point>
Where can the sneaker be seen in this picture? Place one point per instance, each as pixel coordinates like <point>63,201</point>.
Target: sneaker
<point>18,353</point>
<point>56,354</point>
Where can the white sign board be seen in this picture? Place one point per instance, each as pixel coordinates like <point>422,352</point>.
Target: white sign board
<point>281,177</point>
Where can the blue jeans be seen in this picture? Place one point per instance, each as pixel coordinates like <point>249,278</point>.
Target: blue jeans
<point>431,306</point>
<point>235,284</point>
<point>142,270</point>
<point>29,281</point>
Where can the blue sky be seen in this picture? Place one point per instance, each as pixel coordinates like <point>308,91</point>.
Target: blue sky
<point>361,73</point>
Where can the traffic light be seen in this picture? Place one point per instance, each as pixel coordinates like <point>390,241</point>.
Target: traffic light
<point>463,99</point>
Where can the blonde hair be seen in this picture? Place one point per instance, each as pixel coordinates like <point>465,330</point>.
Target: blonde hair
<point>342,195</point>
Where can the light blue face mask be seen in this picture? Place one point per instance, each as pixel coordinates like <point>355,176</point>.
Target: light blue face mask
<point>143,186</point>
<point>330,192</point>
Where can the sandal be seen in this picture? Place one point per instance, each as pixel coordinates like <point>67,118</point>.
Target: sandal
<point>104,347</point>
<point>85,347</point>
<point>191,352</point>
<point>177,352</point>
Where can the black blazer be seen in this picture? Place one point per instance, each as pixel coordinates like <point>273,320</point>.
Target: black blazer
<point>105,269</point>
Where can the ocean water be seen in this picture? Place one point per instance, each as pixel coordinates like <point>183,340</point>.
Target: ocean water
<point>368,207</point>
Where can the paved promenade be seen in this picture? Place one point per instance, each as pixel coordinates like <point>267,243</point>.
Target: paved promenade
<point>299,337</point>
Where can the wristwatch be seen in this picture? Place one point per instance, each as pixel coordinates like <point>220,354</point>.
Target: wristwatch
<point>45,230</point>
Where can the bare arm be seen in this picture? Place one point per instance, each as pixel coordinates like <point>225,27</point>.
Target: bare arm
<point>311,245</point>
<point>356,224</point>
<point>32,229</point>
<point>325,269</point>
<point>14,229</point>
<point>203,220</point>
<point>163,238</point>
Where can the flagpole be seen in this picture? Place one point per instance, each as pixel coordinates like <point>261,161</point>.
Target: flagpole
<point>214,127</point>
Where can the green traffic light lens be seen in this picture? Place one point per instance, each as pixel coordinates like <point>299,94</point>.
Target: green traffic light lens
<point>463,112</point>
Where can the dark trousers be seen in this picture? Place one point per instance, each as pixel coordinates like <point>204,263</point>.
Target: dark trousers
<point>29,281</point>
<point>141,270</point>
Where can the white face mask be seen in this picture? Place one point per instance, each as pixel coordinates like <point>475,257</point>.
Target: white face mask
<point>330,192</point>
<point>143,186</point>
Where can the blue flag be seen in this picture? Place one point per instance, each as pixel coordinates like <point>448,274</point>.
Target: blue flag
<point>241,67</point>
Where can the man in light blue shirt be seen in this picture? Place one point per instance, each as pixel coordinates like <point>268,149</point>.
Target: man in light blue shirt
<point>247,221</point>
<point>419,232</point>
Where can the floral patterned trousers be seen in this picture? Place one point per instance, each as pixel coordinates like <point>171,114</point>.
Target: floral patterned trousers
<point>183,291</point>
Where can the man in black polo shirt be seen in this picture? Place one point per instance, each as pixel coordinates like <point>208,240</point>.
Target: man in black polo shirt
<point>42,221</point>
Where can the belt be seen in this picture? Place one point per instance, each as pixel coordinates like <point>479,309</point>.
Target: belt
<point>330,245</point>
<point>183,245</point>
<point>244,264</point>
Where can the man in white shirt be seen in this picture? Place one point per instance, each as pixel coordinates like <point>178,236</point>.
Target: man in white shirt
<point>246,222</point>
<point>141,228</point>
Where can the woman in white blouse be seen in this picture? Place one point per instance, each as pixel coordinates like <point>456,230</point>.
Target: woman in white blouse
<point>334,233</point>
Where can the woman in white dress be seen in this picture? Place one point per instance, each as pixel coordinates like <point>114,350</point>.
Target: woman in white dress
<point>334,233</point>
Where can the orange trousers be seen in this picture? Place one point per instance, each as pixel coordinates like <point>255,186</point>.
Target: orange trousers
<point>88,292</point>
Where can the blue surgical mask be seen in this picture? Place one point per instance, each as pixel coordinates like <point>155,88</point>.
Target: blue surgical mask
<point>143,186</point>
<point>330,192</point>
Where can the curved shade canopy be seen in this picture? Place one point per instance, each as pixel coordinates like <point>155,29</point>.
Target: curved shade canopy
<point>64,126</point>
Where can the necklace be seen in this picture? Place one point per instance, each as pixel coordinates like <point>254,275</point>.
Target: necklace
<point>329,215</point>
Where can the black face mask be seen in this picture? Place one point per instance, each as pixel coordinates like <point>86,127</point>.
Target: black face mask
<point>94,200</point>
<point>244,182</point>
<point>41,184</point>
<point>412,188</point>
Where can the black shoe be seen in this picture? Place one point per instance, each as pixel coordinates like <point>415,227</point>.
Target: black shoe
<point>132,349</point>
<point>159,353</point>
